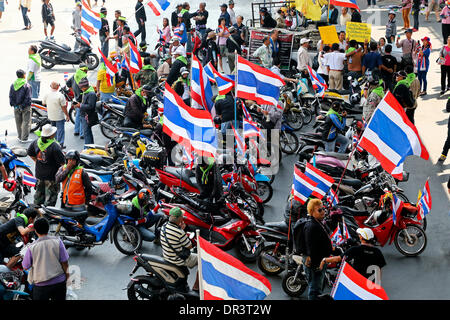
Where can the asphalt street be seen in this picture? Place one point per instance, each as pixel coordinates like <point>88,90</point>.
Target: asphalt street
<point>104,270</point>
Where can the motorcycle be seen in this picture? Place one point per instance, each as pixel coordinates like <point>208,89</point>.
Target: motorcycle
<point>61,54</point>
<point>10,158</point>
<point>77,229</point>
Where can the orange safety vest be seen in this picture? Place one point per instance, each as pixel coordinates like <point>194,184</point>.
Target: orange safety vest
<point>73,189</point>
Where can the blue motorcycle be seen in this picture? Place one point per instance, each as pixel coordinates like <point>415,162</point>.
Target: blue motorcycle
<point>10,283</point>
<point>10,158</point>
<point>289,142</point>
<point>77,229</point>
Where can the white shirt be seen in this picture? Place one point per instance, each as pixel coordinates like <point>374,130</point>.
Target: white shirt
<point>343,45</point>
<point>344,19</point>
<point>277,71</point>
<point>232,16</point>
<point>335,60</point>
<point>54,101</point>
<point>35,68</point>
<point>322,68</point>
<point>303,59</point>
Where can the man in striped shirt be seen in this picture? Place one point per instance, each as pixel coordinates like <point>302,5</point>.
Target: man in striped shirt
<point>173,237</point>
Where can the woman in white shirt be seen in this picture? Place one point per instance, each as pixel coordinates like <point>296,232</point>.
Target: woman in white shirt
<point>323,70</point>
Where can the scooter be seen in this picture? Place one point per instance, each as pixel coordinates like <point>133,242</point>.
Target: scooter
<point>10,158</point>
<point>61,54</point>
<point>77,229</point>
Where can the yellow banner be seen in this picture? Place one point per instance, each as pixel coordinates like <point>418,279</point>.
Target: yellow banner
<point>328,35</point>
<point>311,9</point>
<point>358,31</point>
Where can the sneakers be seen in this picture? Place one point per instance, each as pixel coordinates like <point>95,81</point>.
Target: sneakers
<point>46,38</point>
<point>52,37</point>
<point>442,158</point>
<point>423,93</point>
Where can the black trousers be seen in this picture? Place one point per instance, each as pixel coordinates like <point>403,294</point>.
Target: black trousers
<point>447,142</point>
<point>410,114</point>
<point>416,18</point>
<point>445,74</point>
<point>141,31</point>
<point>56,292</point>
<point>445,32</point>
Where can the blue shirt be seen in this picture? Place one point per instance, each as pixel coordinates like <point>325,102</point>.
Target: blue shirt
<point>372,60</point>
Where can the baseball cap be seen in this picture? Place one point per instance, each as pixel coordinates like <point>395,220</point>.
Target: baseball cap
<point>176,212</point>
<point>365,233</point>
<point>408,30</point>
<point>304,40</point>
<point>224,5</point>
<point>184,70</point>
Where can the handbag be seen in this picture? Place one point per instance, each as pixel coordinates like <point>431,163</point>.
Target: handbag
<point>183,254</point>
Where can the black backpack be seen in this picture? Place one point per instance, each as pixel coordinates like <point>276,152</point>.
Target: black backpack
<point>299,236</point>
<point>315,63</point>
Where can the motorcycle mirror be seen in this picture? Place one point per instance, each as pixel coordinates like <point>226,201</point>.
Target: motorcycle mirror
<point>349,78</point>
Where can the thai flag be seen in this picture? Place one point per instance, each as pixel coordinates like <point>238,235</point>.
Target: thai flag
<point>350,285</point>
<point>66,76</point>
<point>224,83</point>
<point>111,69</point>
<point>177,32</point>
<point>345,3</point>
<point>223,277</point>
<point>91,22</point>
<point>135,60</point>
<point>332,197</point>
<point>251,129</point>
<point>303,186</point>
<point>158,6</point>
<point>324,181</point>
<point>247,114</point>
<point>318,82</point>
<point>201,90</point>
<point>190,127</point>
<point>257,83</point>
<point>28,179</point>
<point>240,142</point>
<point>391,137</point>
<point>424,203</point>
<point>345,233</point>
<point>397,206</point>
<point>188,158</point>
<point>356,143</point>
<point>336,236</point>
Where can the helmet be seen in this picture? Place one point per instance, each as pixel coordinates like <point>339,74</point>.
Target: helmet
<point>373,78</point>
<point>355,98</point>
<point>74,155</point>
<point>184,70</point>
<point>9,185</point>
<point>144,196</point>
<point>365,233</point>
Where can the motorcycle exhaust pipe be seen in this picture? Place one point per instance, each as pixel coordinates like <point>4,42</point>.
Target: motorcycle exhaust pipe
<point>272,260</point>
<point>74,239</point>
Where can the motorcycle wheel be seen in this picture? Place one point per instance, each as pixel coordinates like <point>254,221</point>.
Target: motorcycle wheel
<point>124,244</point>
<point>46,64</point>
<point>146,283</point>
<point>92,61</point>
<point>265,191</point>
<point>307,116</point>
<point>417,235</point>
<point>294,120</point>
<point>288,142</point>
<point>72,115</point>
<point>34,120</point>
<point>112,121</point>
<point>265,265</point>
<point>291,287</point>
<point>242,252</point>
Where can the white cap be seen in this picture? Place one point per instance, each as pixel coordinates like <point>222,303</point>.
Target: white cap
<point>304,40</point>
<point>365,233</point>
<point>48,130</point>
<point>181,51</point>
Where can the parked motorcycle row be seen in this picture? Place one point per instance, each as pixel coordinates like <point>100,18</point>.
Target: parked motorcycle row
<point>135,159</point>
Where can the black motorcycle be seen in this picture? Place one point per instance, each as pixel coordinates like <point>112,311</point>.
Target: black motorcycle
<point>60,54</point>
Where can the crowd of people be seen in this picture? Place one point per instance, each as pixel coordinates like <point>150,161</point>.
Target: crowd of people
<point>58,171</point>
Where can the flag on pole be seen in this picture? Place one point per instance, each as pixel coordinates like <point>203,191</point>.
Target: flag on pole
<point>247,114</point>
<point>223,277</point>
<point>257,83</point>
<point>350,285</point>
<point>336,236</point>
<point>424,203</point>
<point>201,90</point>
<point>397,206</point>
<point>251,129</point>
<point>111,69</point>
<point>28,179</point>
<point>224,83</point>
<point>319,84</point>
<point>345,233</point>
<point>391,137</point>
<point>190,127</point>
<point>158,6</point>
<point>324,181</point>
<point>209,72</point>
<point>91,22</point>
<point>345,3</point>
<point>332,197</point>
<point>303,186</point>
<point>135,60</point>
<point>240,142</point>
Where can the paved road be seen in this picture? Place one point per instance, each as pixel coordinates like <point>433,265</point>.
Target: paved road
<point>105,271</point>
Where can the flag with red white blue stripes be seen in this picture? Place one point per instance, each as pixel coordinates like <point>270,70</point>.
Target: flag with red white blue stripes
<point>158,6</point>
<point>28,179</point>
<point>303,187</point>
<point>424,203</point>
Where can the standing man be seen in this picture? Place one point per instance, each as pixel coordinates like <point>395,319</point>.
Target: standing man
<point>231,12</point>
<point>408,46</point>
<point>356,16</point>
<point>264,53</point>
<point>174,16</point>
<point>241,28</point>
<point>354,56</point>
<point>20,99</point>
<point>25,6</point>
<point>34,71</point>
<point>344,17</point>
<point>2,7</point>
<point>73,83</point>
<point>57,111</point>
<point>89,117</point>
<point>48,18</point>
<point>48,157</point>
<point>104,32</point>
<point>303,59</point>
<point>416,10</point>
<point>117,15</point>
<point>372,60</point>
<point>76,21</point>
<point>234,43</point>
<point>224,14</point>
<point>335,63</point>
<point>389,67</point>
<point>48,263</point>
<point>201,19</point>
<point>275,44</point>
<point>141,18</point>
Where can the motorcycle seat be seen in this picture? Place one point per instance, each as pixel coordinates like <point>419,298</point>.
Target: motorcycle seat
<point>132,130</point>
<point>92,221</point>
<point>95,146</point>
<point>160,260</point>
<point>36,101</point>
<point>340,156</point>
<point>117,106</point>
<point>146,132</point>
<point>353,212</point>
<point>20,152</point>
<point>77,215</point>
<point>280,226</point>
<point>93,158</point>
<point>99,172</point>
<point>186,175</point>
<point>355,183</point>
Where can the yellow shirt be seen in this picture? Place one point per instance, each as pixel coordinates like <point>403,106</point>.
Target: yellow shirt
<point>101,76</point>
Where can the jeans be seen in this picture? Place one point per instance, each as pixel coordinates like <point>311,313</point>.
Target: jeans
<point>35,88</point>
<point>231,61</point>
<point>422,75</point>
<point>315,282</point>
<point>23,122</point>
<point>26,20</point>
<point>148,235</point>
<point>104,46</point>
<point>225,126</point>
<point>373,2</point>
<point>105,97</point>
<point>343,144</point>
<point>46,193</point>
<point>55,292</point>
<point>78,127</point>
<point>60,132</point>
<point>87,130</point>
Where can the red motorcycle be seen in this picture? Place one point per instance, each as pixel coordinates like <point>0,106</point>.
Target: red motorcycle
<point>407,234</point>
<point>178,177</point>
<point>231,226</point>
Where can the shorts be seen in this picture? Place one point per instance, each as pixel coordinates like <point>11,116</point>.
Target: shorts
<point>2,6</point>
<point>223,51</point>
<point>49,22</point>
<point>433,5</point>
